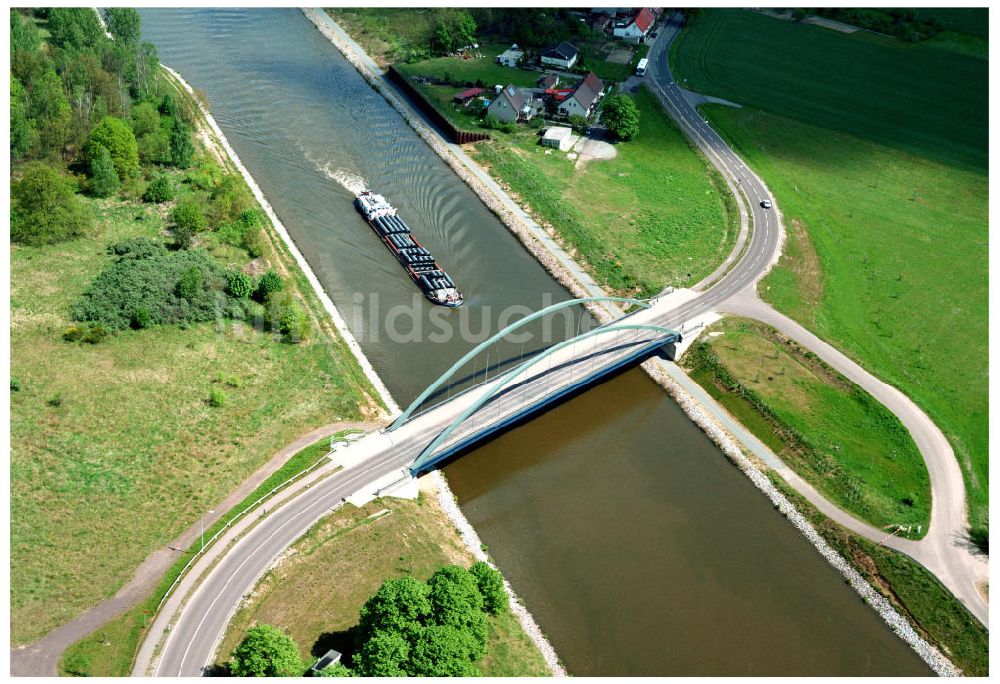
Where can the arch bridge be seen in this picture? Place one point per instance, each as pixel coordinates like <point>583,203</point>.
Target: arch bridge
<point>527,386</point>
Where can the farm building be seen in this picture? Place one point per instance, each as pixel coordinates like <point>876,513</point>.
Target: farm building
<point>637,28</point>
<point>587,94</point>
<point>512,105</point>
<point>511,56</point>
<point>559,137</point>
<point>562,55</point>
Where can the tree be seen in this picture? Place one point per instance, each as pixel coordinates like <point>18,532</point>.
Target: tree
<point>187,220</point>
<point>23,135</point>
<point>442,651</point>
<point>44,207</point>
<point>115,135</point>
<point>75,27</point>
<point>621,116</point>
<point>23,34</point>
<point>104,179</point>
<point>266,652</point>
<point>181,147</point>
<point>239,284</point>
<point>400,605</point>
<point>490,582</point>
<point>455,28</point>
<point>51,111</point>
<point>456,601</point>
<point>124,24</point>
<point>385,654</point>
<point>335,670</point>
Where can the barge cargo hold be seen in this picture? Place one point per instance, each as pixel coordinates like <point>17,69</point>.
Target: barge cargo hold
<point>422,268</point>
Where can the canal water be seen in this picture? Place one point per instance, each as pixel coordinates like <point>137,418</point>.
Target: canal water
<point>639,549</point>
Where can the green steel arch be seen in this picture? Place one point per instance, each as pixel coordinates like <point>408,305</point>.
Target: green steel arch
<point>405,415</point>
<point>426,453</point>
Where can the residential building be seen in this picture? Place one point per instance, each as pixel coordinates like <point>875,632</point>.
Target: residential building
<point>583,99</point>
<point>512,104</point>
<point>548,81</point>
<point>511,56</point>
<point>637,28</point>
<point>562,55</point>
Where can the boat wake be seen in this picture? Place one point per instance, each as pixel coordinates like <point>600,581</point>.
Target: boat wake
<point>350,181</point>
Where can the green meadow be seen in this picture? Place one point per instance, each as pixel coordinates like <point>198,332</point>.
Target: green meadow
<point>876,152</point>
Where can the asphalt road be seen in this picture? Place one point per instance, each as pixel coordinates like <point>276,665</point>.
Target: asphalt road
<point>190,644</point>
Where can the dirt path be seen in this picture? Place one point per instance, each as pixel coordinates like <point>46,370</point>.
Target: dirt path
<point>41,658</point>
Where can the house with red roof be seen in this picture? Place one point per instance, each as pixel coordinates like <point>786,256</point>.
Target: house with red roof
<point>581,102</point>
<point>638,27</point>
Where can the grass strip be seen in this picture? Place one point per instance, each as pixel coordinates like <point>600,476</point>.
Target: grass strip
<point>110,651</point>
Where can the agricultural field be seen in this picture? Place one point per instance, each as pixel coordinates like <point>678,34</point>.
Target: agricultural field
<point>653,216</point>
<point>828,430</point>
<point>886,212</point>
<point>930,103</point>
<point>316,592</point>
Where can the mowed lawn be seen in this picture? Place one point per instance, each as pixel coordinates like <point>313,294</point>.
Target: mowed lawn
<point>853,449</point>
<point>316,592</point>
<point>655,215</point>
<point>930,102</point>
<point>114,447</point>
<point>888,241</point>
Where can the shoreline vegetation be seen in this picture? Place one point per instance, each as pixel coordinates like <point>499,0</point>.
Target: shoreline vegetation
<point>904,626</point>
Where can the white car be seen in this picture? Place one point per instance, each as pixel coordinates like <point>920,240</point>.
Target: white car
<point>766,204</point>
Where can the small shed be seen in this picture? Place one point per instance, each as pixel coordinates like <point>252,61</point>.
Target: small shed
<point>465,96</point>
<point>329,658</point>
<point>511,56</point>
<point>559,137</point>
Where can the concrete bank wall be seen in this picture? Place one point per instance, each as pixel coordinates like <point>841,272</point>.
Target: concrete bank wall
<point>656,368</point>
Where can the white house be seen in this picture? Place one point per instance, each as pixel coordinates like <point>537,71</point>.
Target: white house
<point>637,28</point>
<point>587,94</point>
<point>511,56</point>
<point>562,55</point>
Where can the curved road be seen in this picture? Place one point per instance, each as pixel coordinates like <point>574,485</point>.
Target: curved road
<point>191,642</point>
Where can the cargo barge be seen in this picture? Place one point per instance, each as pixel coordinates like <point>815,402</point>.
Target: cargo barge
<point>423,270</point>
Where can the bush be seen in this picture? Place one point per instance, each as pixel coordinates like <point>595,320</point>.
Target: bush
<point>578,123</point>
<point>95,334</point>
<point>104,180</point>
<point>159,190</point>
<point>15,385</point>
<point>253,242</point>
<point>217,398</point>
<point>148,276</point>
<point>285,316</point>
<point>44,208</point>
<point>230,200</point>
<point>240,285</point>
<point>496,124</point>
<point>187,220</point>
<point>73,333</point>
<point>141,318</point>
<point>116,136</point>
<point>268,284</point>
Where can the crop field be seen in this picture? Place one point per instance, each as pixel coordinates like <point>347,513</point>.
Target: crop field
<point>652,216</point>
<point>115,448</point>
<point>828,430</point>
<point>316,593</point>
<point>930,102</point>
<point>887,253</point>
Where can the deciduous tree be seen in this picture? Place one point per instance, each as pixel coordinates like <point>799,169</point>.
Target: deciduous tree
<point>266,652</point>
<point>44,208</point>
<point>621,116</point>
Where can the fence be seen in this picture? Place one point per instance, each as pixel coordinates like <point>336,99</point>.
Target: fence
<point>457,136</point>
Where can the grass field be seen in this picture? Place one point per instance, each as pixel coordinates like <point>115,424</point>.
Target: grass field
<point>387,34</point>
<point>932,103</point>
<point>916,593</point>
<point>653,216</point>
<point>109,652</point>
<point>317,591</point>
<point>115,448</point>
<point>887,252</point>
<point>828,430</point>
